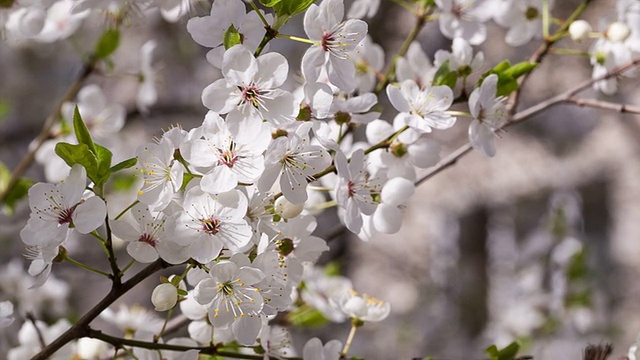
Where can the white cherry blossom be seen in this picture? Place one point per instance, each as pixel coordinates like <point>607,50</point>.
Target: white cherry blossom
<point>464,19</point>
<point>422,109</point>
<point>231,298</point>
<point>313,350</point>
<point>209,223</point>
<point>249,93</point>
<point>334,41</point>
<point>489,114</point>
<point>293,160</point>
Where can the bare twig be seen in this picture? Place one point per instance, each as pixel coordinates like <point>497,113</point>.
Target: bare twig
<point>32,319</point>
<point>45,132</point>
<point>80,328</point>
<point>606,105</point>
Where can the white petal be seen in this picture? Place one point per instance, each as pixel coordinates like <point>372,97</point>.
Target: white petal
<point>89,215</point>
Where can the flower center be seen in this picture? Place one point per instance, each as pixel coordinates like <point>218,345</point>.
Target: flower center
<point>327,40</point>
<point>398,149</point>
<point>210,226</point>
<point>251,94</point>
<point>351,188</point>
<point>65,216</point>
<point>148,238</point>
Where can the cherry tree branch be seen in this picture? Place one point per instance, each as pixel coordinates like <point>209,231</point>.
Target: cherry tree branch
<point>542,52</point>
<point>45,132</point>
<point>606,105</point>
<point>81,328</point>
<point>565,97</point>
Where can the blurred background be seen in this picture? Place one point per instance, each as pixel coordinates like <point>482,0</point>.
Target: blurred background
<point>539,244</point>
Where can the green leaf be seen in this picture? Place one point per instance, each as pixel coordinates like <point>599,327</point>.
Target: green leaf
<point>4,108</point>
<point>306,316</point>
<point>124,164</point>
<point>81,131</point>
<point>107,44</point>
<point>6,3</point>
<point>501,67</point>
<point>291,7</point>
<point>103,173</point>
<point>182,292</point>
<point>507,353</point>
<point>17,193</point>
<point>232,37</point>
<point>520,69</point>
<point>444,76</point>
<point>78,154</point>
<point>269,3</point>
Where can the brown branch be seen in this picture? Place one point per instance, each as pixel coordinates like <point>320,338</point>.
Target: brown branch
<point>606,105</point>
<point>81,328</point>
<point>45,133</point>
<point>542,52</point>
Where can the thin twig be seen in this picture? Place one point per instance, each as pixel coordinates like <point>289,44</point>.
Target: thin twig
<point>80,328</point>
<point>606,105</point>
<point>32,319</point>
<point>45,133</point>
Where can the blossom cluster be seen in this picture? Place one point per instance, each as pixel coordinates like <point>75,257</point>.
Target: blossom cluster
<point>235,198</point>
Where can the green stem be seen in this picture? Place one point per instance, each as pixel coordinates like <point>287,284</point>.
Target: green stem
<point>257,10</point>
<point>296,38</point>
<point>86,267</point>
<point>545,19</point>
<point>562,51</point>
<point>127,209</point>
<point>133,261</point>
<point>421,19</point>
<point>347,343</point>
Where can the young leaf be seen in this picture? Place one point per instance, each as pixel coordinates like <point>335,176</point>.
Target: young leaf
<point>78,154</point>
<point>124,164</point>
<point>103,156</point>
<point>231,37</point>
<point>107,44</point>
<point>269,3</point>
<point>81,131</point>
<point>444,76</point>
<point>17,193</point>
<point>291,7</point>
<point>520,69</point>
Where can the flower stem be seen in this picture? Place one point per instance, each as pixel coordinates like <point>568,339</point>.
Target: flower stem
<point>133,261</point>
<point>127,209</point>
<point>296,38</point>
<point>86,267</point>
<point>347,343</point>
<point>259,13</point>
<point>545,19</point>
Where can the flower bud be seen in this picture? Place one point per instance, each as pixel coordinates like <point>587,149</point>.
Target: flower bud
<point>88,348</point>
<point>618,32</point>
<point>579,30</point>
<point>164,297</point>
<point>286,209</point>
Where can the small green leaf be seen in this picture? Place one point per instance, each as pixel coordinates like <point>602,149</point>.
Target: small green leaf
<point>4,108</point>
<point>501,67</point>
<point>182,292</point>
<point>507,353</point>
<point>103,156</point>
<point>108,43</point>
<point>124,164</point>
<point>232,37</point>
<point>78,154</point>
<point>6,3</point>
<point>520,69</point>
<point>269,3</point>
<point>444,76</point>
<point>81,131</point>
<point>291,7</point>
<point>306,316</point>
<point>17,193</point>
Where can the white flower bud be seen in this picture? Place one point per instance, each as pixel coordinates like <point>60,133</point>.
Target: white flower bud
<point>618,32</point>
<point>579,30</point>
<point>286,209</point>
<point>32,22</point>
<point>88,348</point>
<point>164,297</point>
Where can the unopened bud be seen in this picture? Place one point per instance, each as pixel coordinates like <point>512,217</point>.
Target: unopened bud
<point>618,32</point>
<point>164,297</point>
<point>286,209</point>
<point>579,30</point>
